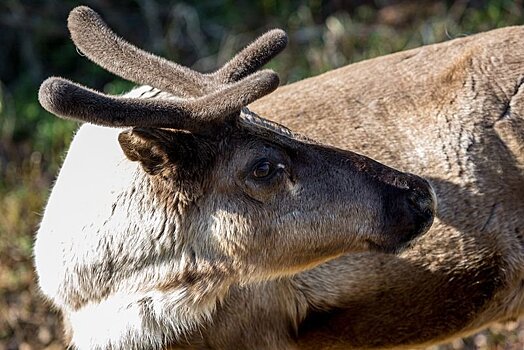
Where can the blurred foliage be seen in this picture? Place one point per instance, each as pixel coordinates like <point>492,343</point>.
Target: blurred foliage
<point>200,34</point>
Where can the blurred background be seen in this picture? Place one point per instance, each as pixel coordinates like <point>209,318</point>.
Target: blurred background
<point>34,44</point>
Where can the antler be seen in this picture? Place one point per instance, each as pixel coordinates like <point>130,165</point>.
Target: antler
<point>74,101</point>
<point>100,44</point>
<point>254,56</point>
<point>208,98</point>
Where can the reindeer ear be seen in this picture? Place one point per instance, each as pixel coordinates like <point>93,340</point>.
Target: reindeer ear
<point>147,146</point>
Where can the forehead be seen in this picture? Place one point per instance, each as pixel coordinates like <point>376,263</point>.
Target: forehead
<point>267,129</point>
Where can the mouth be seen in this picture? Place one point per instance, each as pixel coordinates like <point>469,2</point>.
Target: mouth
<point>381,248</point>
<point>391,248</point>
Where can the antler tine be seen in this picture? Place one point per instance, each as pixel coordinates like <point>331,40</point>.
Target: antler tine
<point>254,56</point>
<point>212,96</point>
<point>101,45</point>
<point>73,101</point>
<point>233,97</point>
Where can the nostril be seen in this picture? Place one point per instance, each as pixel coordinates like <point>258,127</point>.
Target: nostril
<point>422,196</point>
<point>409,212</point>
<point>423,204</point>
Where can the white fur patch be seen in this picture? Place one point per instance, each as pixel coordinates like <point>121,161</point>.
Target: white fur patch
<point>88,181</point>
<point>122,321</point>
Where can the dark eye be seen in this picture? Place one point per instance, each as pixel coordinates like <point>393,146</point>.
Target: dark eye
<point>263,169</point>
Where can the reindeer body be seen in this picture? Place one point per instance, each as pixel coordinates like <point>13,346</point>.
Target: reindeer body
<point>452,112</point>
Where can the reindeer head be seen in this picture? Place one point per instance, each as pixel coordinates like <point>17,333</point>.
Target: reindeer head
<point>213,195</point>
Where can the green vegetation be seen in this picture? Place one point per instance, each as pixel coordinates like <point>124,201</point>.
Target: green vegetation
<point>200,34</point>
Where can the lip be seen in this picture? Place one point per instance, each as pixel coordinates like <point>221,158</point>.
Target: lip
<point>396,246</point>
<point>387,248</point>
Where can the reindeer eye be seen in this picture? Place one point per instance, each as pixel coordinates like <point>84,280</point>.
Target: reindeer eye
<point>263,169</point>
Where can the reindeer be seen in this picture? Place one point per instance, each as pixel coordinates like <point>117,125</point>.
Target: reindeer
<point>156,224</point>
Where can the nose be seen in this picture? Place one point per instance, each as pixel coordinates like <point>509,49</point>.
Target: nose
<point>410,196</point>
<point>409,211</point>
<point>407,202</point>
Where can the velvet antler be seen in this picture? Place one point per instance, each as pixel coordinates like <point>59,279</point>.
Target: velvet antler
<point>205,99</point>
<point>100,44</point>
<point>74,101</point>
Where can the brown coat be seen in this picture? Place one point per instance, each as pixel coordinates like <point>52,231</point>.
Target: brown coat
<point>453,113</point>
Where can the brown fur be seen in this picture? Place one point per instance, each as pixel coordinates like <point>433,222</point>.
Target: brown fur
<point>451,112</point>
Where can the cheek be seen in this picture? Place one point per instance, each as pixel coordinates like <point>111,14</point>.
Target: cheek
<point>263,240</point>
<point>268,192</point>
<point>232,228</point>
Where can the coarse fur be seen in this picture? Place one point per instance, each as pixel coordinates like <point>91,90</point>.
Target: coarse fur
<point>453,113</point>
<point>152,226</point>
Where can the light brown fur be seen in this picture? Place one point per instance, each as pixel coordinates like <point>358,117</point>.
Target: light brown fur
<point>451,112</point>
